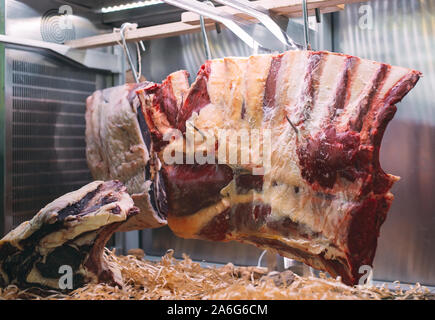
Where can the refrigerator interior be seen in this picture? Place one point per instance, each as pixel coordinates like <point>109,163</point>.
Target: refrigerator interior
<point>43,146</point>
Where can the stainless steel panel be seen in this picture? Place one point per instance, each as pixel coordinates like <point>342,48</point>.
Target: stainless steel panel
<point>24,19</point>
<point>40,25</point>
<point>403,33</point>
<point>45,126</point>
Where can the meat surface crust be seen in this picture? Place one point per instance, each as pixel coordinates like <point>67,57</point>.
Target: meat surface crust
<point>319,117</point>
<point>67,235</point>
<point>117,143</point>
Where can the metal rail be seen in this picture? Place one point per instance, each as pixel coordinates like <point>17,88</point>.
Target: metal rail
<point>262,15</point>
<point>210,12</point>
<point>90,59</point>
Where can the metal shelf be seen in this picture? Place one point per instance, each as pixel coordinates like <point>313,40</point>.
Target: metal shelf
<point>190,22</point>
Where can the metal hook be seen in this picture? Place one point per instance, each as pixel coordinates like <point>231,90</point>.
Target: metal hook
<point>142,46</point>
<point>207,11</point>
<point>127,51</point>
<point>306,26</point>
<point>263,16</point>
<point>199,131</point>
<point>204,33</point>
<point>292,125</point>
<point>318,15</point>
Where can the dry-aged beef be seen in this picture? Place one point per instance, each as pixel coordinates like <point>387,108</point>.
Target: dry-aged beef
<point>70,231</point>
<point>117,142</point>
<point>324,196</point>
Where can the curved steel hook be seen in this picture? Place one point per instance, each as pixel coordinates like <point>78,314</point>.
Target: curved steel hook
<point>204,33</point>
<point>127,51</point>
<point>262,15</point>
<point>307,45</point>
<point>210,12</point>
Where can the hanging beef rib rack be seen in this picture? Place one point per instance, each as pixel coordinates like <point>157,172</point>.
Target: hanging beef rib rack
<point>324,196</point>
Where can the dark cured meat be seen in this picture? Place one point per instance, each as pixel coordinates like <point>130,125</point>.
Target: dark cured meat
<point>71,231</point>
<point>324,197</point>
<point>330,153</point>
<point>195,187</point>
<point>270,91</point>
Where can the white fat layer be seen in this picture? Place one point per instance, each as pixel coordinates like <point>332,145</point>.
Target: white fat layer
<point>257,71</point>
<point>216,82</point>
<point>295,65</point>
<point>35,277</point>
<point>114,142</point>
<point>393,77</point>
<point>90,222</point>
<point>313,246</point>
<point>47,215</point>
<point>180,86</point>
<point>188,226</point>
<point>325,88</point>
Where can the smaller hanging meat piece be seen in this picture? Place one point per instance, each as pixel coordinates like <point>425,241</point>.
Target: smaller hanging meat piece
<point>118,147</point>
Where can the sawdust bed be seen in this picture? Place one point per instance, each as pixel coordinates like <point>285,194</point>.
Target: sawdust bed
<point>185,279</point>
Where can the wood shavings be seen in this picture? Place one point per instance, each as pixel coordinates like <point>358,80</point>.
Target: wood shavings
<point>185,279</point>
<point>138,253</point>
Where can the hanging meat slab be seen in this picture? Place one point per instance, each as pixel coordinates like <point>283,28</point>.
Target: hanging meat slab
<point>320,116</point>
<point>67,235</point>
<point>117,144</point>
